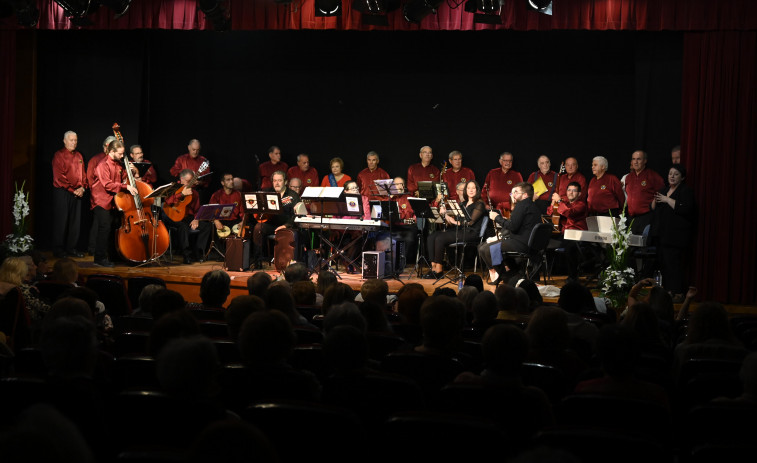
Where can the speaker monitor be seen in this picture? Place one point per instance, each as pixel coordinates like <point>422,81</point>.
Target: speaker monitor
<point>373,264</point>
<point>237,254</point>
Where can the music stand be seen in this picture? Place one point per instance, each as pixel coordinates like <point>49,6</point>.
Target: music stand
<point>159,193</point>
<point>212,212</point>
<point>461,215</point>
<point>142,167</point>
<point>423,211</point>
<point>260,203</point>
<point>390,212</point>
<point>333,201</point>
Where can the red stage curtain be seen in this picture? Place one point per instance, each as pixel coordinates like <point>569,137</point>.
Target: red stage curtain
<point>719,150</point>
<point>651,15</point>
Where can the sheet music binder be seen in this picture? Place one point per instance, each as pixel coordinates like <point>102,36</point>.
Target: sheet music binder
<point>422,209</point>
<point>260,202</point>
<point>214,211</point>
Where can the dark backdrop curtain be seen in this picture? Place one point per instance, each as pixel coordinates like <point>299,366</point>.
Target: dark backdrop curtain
<point>7,108</point>
<point>719,142</point>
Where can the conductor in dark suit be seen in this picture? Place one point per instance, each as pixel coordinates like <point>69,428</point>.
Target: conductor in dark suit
<point>524,217</point>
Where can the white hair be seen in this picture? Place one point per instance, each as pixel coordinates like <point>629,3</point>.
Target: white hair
<point>601,160</point>
<point>70,132</point>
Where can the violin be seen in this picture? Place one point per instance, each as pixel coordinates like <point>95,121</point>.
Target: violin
<point>142,235</point>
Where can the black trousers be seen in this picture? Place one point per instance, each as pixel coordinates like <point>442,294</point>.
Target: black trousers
<point>506,245</point>
<point>104,220</point>
<point>182,230</point>
<point>438,241</point>
<point>66,220</point>
<point>672,268</point>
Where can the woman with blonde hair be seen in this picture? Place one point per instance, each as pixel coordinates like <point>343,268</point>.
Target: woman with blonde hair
<point>13,273</point>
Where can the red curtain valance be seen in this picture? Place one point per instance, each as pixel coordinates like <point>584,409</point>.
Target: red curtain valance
<point>633,15</point>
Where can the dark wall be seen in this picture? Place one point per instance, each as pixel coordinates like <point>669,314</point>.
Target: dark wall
<point>337,93</point>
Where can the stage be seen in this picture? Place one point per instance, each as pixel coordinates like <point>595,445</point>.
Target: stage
<point>186,278</point>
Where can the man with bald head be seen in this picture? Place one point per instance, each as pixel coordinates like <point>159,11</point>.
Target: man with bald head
<point>194,161</point>
<point>70,182</point>
<point>641,186</point>
<point>304,172</point>
<point>422,171</point>
<point>549,177</point>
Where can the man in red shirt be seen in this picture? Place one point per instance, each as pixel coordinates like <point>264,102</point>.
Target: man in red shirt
<point>267,168</point>
<point>303,171</point>
<point>571,174</point>
<point>641,186</point>
<point>228,195</point>
<point>137,155</point>
<point>458,174</point>
<point>549,177</point>
<point>111,179</point>
<point>499,183</point>
<point>91,178</point>
<point>422,171</point>
<point>189,223</point>
<point>405,230</point>
<point>572,217</point>
<point>366,176</point>
<point>606,195</point>
<point>70,182</point>
<point>194,161</point>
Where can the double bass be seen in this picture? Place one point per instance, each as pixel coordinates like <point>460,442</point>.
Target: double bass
<point>142,236</point>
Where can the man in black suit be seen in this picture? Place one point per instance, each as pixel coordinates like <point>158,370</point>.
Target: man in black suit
<point>524,217</point>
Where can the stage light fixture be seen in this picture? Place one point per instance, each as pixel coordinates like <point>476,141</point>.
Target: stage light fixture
<point>373,12</point>
<point>26,11</point>
<point>78,10</point>
<point>542,6</point>
<point>485,11</point>
<point>216,14</point>
<point>416,10</point>
<point>328,8</point>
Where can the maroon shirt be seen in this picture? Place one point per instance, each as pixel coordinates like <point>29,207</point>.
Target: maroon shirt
<point>548,179</point>
<point>185,161</point>
<point>92,167</point>
<point>572,215</point>
<point>235,197</point>
<point>498,186</point>
<point>150,176</point>
<point>566,180</point>
<point>308,178</point>
<point>403,205</point>
<point>452,178</point>
<point>365,181</point>
<point>68,170</point>
<point>417,173</point>
<point>641,189</point>
<point>110,180</point>
<point>604,194</point>
<point>191,208</point>
<point>267,169</point>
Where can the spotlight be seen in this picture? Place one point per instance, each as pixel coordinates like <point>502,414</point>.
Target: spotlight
<point>328,7</point>
<point>373,12</point>
<point>485,11</point>
<point>27,13</point>
<point>416,10</point>
<point>542,6</point>
<point>78,10</point>
<point>215,13</point>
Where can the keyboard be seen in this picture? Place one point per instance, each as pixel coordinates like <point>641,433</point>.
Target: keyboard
<point>331,223</point>
<point>600,237</point>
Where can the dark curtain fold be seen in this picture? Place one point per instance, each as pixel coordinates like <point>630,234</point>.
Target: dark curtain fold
<point>719,150</point>
<point>652,15</point>
<point>7,108</point>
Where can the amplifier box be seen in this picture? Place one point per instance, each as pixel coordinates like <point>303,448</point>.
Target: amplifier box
<point>237,254</point>
<point>373,264</point>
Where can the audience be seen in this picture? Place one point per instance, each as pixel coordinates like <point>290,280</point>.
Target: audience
<point>239,309</point>
<point>336,294</point>
<point>257,284</point>
<point>304,292</point>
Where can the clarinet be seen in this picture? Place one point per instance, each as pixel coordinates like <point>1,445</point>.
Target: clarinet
<point>497,227</point>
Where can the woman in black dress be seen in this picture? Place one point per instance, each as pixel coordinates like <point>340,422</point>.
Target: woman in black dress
<point>460,230</point>
<point>674,227</point>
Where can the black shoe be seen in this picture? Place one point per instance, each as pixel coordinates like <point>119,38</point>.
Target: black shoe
<point>431,275</point>
<point>257,265</point>
<point>104,263</point>
<point>187,259</point>
<point>74,253</point>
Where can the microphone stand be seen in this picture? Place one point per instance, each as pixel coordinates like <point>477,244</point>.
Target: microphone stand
<point>461,215</point>
<point>394,274</point>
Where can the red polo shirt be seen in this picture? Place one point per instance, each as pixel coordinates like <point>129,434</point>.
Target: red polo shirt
<point>68,170</point>
<point>452,178</point>
<point>572,215</point>
<point>111,179</point>
<point>566,180</point>
<point>365,181</point>
<point>641,189</point>
<point>235,197</point>
<point>549,181</point>
<point>417,173</point>
<point>497,187</point>
<point>267,169</point>
<point>308,178</point>
<point>604,194</point>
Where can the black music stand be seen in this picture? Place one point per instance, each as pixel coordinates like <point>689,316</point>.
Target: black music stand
<point>259,203</point>
<point>159,193</point>
<point>212,212</point>
<point>423,211</point>
<point>460,213</point>
<point>142,167</point>
<point>389,212</point>
<point>332,201</point>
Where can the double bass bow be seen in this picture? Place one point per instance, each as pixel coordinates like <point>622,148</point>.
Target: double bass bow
<point>142,236</point>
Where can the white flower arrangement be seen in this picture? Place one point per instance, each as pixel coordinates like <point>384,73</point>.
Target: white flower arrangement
<point>618,278</point>
<point>19,242</point>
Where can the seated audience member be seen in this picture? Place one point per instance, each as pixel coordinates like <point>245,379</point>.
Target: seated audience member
<point>164,301</point>
<point>484,310</point>
<point>66,270</point>
<point>266,342</point>
<point>709,336</point>
<point>410,298</point>
<point>583,334</point>
<point>549,337</point>
<point>215,288</point>
<point>145,301</point>
<point>345,313</point>
<point>325,279</point>
<point>442,321</point>
<point>474,280</point>
<point>232,440</point>
<point>642,319</point>
<point>239,309</point>
<point>303,292</point>
<point>444,291</point>
<point>466,296</point>
<point>748,376</point>
<point>534,296</point>
<point>102,320</point>
<point>172,325</point>
<point>14,273</point>
<point>279,297</point>
<point>188,368</point>
<point>619,353</point>
<point>376,290</point>
<point>662,304</point>
<point>507,303</point>
<point>346,350</point>
<point>296,272</point>
<point>40,261</point>
<point>375,317</point>
<point>336,294</point>
<point>504,349</point>
<point>524,302</point>
<point>258,283</point>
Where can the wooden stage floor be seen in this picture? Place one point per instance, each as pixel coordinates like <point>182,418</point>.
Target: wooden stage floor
<point>186,278</point>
